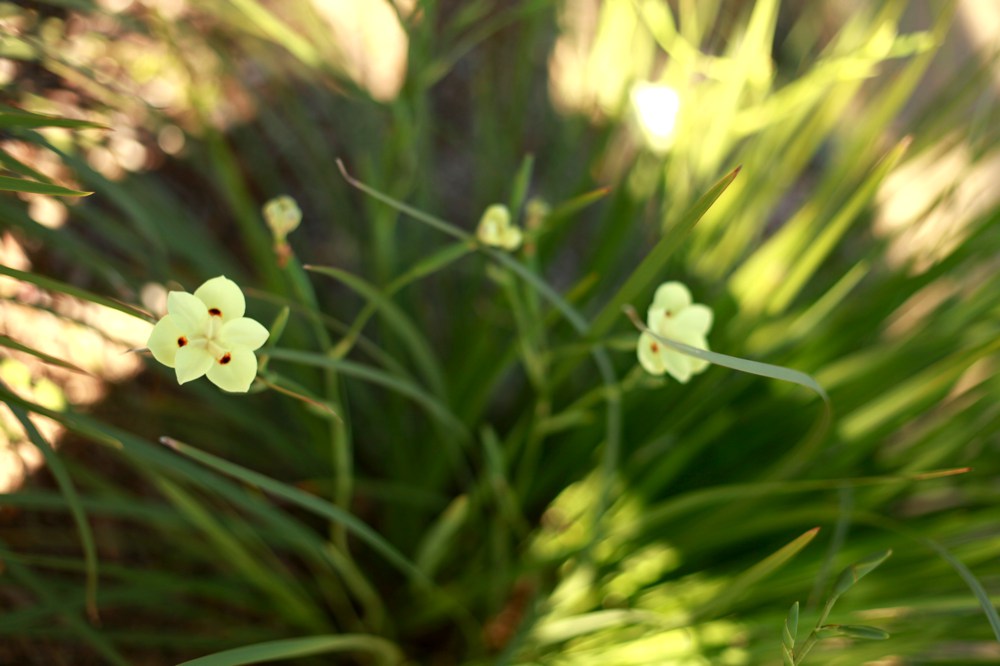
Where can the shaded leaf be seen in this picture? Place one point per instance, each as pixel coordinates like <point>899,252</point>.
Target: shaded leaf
<point>13,119</point>
<point>852,574</point>
<point>384,652</point>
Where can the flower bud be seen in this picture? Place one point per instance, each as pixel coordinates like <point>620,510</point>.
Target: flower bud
<point>535,212</point>
<point>282,215</point>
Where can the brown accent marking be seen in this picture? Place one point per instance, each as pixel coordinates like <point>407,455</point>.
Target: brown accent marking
<point>655,347</point>
<point>225,359</point>
<point>215,312</point>
<point>181,341</point>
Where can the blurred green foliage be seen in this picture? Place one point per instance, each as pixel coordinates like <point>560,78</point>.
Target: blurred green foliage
<point>451,455</point>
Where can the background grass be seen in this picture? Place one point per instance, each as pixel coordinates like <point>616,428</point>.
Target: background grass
<point>453,456</point>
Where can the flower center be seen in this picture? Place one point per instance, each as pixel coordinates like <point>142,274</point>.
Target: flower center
<point>212,330</point>
<point>209,339</point>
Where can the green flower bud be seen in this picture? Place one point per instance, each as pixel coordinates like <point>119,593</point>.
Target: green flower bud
<point>283,216</point>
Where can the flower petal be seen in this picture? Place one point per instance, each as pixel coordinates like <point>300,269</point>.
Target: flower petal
<point>650,353</point>
<point>164,341</point>
<point>672,296</point>
<point>497,214</point>
<point>698,364</point>
<point>658,319</point>
<point>237,374</point>
<point>189,313</point>
<point>242,333</point>
<point>191,363</point>
<point>697,341</point>
<point>488,232</point>
<point>493,225</point>
<point>224,296</point>
<point>511,238</point>
<point>678,365</point>
<point>695,318</point>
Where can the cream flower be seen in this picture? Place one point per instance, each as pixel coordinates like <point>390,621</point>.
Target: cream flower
<point>495,229</point>
<point>206,333</point>
<point>674,317</point>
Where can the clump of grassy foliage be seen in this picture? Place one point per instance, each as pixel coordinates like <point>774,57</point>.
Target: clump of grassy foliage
<point>451,454</point>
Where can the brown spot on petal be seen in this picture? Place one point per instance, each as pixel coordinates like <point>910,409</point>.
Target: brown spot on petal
<point>655,347</point>
<point>215,312</point>
<point>225,359</point>
<point>181,341</point>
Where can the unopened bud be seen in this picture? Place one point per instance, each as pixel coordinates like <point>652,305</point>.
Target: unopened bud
<point>535,212</point>
<point>283,216</point>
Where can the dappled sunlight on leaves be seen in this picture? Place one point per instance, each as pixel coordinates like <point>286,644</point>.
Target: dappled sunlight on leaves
<point>928,205</point>
<point>91,337</point>
<point>623,603</point>
<point>372,43</point>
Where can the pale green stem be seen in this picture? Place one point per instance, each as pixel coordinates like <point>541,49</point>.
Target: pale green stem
<point>813,637</point>
<point>340,446</point>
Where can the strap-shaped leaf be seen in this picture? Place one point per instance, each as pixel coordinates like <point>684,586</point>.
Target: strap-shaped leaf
<point>650,269</point>
<point>15,119</point>
<point>33,186</point>
<point>384,652</point>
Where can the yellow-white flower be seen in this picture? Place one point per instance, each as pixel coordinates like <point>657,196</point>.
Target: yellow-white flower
<point>674,317</point>
<point>206,333</point>
<point>495,229</point>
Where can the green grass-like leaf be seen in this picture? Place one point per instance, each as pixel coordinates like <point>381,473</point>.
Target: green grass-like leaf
<point>63,288</point>
<point>705,477</point>
<point>306,501</point>
<point>54,603</point>
<point>381,651</point>
<point>651,268</point>
<point>398,384</point>
<point>791,628</point>
<point>857,571</point>
<point>735,363</point>
<point>15,119</point>
<point>10,343</point>
<point>859,631</point>
<point>258,571</point>
<point>398,321</point>
<point>612,443</point>
<point>23,185</point>
<point>757,573</point>
<point>65,483</point>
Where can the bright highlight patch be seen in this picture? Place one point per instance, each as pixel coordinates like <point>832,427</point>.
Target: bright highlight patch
<point>656,107</point>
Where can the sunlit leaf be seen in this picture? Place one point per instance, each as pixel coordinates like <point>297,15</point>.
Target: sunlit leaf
<point>23,185</point>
